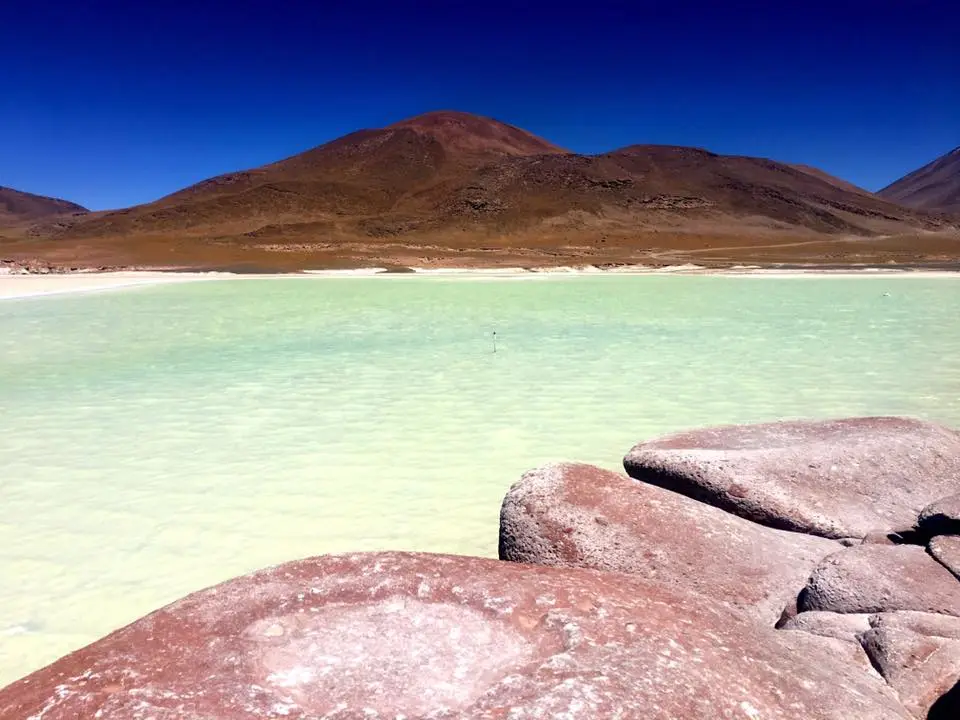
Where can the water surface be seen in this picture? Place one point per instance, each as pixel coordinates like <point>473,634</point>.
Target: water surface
<point>157,440</point>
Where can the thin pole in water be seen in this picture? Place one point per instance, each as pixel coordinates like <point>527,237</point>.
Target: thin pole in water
<point>494,340</point>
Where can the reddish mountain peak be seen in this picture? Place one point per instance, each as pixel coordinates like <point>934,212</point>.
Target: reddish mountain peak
<point>477,135</point>
<point>445,117</point>
<point>935,186</point>
<point>666,151</point>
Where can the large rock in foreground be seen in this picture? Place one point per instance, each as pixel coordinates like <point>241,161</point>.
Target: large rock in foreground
<point>838,479</point>
<point>424,636</point>
<point>574,515</point>
<point>881,578</point>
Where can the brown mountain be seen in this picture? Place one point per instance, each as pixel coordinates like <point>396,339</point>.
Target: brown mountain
<point>18,207</point>
<point>476,137</point>
<point>832,179</point>
<point>454,188</point>
<point>935,186</point>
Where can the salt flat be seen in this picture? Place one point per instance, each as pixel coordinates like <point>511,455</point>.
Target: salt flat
<point>32,285</point>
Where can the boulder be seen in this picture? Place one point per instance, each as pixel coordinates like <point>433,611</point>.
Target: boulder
<point>922,623</point>
<point>387,635</point>
<point>946,550</point>
<point>573,515</point>
<point>830,624</point>
<point>881,578</point>
<point>845,651</point>
<point>838,478</point>
<point>941,517</point>
<point>839,634</point>
<point>921,668</point>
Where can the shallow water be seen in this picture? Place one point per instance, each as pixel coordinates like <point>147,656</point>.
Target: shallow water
<point>157,440</point>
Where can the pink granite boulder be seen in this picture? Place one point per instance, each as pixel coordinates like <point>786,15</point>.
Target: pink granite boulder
<point>846,627</point>
<point>839,633</point>
<point>881,578</point>
<point>945,549</point>
<point>575,515</point>
<point>388,635</point>
<point>921,668</point>
<point>838,478</point>
<point>845,651</point>
<point>922,623</point>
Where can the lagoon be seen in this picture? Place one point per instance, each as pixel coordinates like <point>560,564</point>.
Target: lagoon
<point>160,439</point>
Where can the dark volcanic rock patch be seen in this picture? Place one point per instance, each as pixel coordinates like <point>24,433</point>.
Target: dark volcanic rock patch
<point>839,479</point>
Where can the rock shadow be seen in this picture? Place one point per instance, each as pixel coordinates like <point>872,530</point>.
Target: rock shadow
<point>947,707</point>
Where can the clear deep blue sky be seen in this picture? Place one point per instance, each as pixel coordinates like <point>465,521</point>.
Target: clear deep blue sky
<point>111,103</point>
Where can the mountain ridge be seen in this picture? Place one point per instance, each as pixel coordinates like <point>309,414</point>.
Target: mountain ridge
<point>935,186</point>
<point>18,207</point>
<point>454,187</point>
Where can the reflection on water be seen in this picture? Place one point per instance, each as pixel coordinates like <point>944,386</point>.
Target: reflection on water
<point>156,441</point>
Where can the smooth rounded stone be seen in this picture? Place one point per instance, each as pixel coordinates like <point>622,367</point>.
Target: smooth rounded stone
<point>847,627</point>
<point>923,623</point>
<point>922,669</point>
<point>837,478</point>
<point>846,651</point>
<point>942,517</point>
<point>387,635</point>
<point>575,515</point>
<point>881,578</point>
<point>945,549</point>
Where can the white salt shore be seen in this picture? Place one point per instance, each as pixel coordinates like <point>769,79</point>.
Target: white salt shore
<point>33,285</point>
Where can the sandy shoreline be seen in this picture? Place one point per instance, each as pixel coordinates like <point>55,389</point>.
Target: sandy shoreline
<point>35,285</point>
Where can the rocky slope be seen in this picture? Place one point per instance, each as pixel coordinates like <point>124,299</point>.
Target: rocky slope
<point>18,208</point>
<point>935,186</point>
<point>455,188</point>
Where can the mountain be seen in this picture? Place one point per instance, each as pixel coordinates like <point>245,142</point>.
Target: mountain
<point>18,207</point>
<point>935,186</point>
<point>832,179</point>
<point>454,188</point>
<point>477,137</point>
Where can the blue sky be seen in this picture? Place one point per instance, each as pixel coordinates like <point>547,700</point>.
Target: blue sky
<point>111,103</point>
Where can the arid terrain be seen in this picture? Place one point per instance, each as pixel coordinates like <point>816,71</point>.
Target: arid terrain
<point>23,209</point>
<point>454,189</point>
<point>935,186</point>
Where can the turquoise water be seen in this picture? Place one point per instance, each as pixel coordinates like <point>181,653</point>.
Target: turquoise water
<point>158,440</point>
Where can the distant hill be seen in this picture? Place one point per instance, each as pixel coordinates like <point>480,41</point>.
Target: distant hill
<point>453,187</point>
<point>17,207</point>
<point>935,186</point>
<point>832,179</point>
